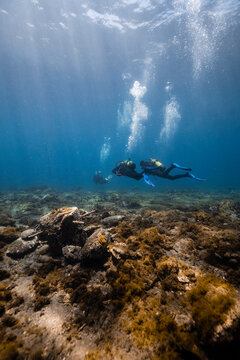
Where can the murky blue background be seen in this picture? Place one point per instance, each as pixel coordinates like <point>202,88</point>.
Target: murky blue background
<point>67,101</point>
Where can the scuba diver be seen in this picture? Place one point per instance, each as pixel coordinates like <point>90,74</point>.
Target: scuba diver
<point>156,168</point>
<point>99,179</point>
<point>127,168</point>
<point>151,167</point>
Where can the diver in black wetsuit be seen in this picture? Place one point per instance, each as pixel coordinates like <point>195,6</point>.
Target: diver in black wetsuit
<point>127,168</point>
<point>156,168</point>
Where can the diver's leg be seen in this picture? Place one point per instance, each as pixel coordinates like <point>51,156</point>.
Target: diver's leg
<point>169,169</point>
<point>175,177</point>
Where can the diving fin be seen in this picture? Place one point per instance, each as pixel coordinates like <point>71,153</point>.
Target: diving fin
<point>181,167</point>
<point>197,178</point>
<point>147,180</point>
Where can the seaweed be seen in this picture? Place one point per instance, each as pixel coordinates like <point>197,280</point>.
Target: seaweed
<point>42,290</point>
<point>210,301</point>
<point>191,230</point>
<point>9,234</point>
<point>156,332</point>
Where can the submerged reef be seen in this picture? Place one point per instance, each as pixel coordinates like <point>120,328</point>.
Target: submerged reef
<point>119,275</point>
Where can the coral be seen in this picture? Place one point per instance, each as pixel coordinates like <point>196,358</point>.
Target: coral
<point>210,301</point>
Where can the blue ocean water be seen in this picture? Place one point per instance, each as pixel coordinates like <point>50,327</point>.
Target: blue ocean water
<point>84,84</point>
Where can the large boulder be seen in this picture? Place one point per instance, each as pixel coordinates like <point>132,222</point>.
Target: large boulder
<point>62,227</point>
<point>96,246</point>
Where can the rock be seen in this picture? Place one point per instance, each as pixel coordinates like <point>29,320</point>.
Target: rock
<point>62,227</point>
<point>90,229</point>
<point>42,250</point>
<point>27,233</point>
<point>44,259</point>
<point>19,248</point>
<point>72,253</point>
<point>95,247</point>
<point>112,220</point>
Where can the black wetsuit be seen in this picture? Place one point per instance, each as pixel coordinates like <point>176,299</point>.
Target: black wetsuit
<point>150,168</point>
<point>127,168</point>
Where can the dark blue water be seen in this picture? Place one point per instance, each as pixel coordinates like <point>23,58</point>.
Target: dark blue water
<point>146,78</point>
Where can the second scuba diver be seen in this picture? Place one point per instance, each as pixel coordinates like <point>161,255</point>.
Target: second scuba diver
<point>127,168</point>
